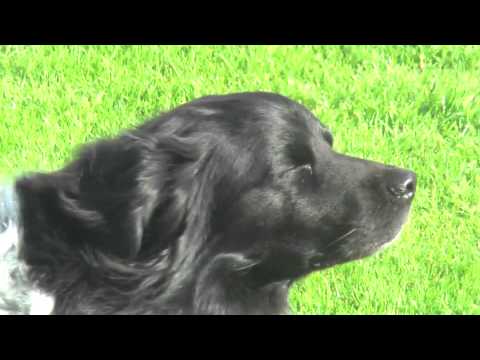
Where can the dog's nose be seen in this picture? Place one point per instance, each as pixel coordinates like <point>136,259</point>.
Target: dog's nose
<point>402,184</point>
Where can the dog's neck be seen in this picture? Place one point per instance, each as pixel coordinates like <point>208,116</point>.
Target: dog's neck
<point>17,293</point>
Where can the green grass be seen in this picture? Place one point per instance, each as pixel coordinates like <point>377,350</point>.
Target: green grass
<point>416,107</point>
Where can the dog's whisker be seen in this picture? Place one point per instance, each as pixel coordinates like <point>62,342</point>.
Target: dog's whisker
<point>337,240</point>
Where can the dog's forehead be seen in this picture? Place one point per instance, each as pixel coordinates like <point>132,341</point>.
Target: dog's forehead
<point>301,123</point>
<point>301,118</point>
<point>276,115</point>
<point>293,134</point>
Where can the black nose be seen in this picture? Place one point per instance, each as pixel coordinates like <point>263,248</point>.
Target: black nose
<point>402,184</point>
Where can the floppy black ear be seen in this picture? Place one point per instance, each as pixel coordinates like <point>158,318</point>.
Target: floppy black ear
<point>103,199</point>
<point>107,197</point>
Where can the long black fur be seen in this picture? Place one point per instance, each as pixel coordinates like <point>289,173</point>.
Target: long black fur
<point>213,208</point>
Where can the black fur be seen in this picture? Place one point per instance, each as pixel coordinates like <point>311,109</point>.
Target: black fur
<point>213,208</point>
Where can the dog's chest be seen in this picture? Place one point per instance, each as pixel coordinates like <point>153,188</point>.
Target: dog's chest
<point>17,294</point>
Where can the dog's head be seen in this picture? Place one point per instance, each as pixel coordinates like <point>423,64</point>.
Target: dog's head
<point>293,201</point>
<point>248,181</point>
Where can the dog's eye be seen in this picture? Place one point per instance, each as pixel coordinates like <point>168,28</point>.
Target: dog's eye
<point>306,170</point>
<point>303,171</point>
<point>304,177</point>
<point>328,138</point>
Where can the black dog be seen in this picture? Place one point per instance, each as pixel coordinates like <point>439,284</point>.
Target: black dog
<point>213,208</point>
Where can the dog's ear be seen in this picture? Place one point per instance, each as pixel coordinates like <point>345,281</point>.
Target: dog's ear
<point>103,199</point>
<point>117,191</point>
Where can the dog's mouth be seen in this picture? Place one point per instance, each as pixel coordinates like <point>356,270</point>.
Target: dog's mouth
<point>357,243</point>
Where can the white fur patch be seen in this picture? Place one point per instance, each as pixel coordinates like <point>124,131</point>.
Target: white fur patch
<point>18,295</point>
<point>41,303</point>
<point>8,238</point>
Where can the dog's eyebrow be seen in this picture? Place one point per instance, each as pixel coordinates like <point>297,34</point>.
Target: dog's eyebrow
<point>328,136</point>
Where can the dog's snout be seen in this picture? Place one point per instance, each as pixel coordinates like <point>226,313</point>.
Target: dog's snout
<point>402,184</point>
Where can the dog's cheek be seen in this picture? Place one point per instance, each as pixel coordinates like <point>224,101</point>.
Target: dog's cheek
<point>264,208</point>
<point>248,223</point>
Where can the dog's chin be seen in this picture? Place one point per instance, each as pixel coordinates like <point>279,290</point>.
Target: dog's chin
<point>382,238</point>
<point>377,244</point>
<point>360,244</point>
